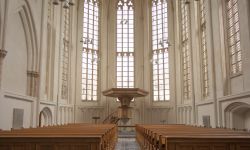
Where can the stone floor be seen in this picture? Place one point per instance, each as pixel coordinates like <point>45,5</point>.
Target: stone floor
<point>127,144</point>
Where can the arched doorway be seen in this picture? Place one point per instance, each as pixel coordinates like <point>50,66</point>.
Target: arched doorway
<point>237,115</point>
<point>45,117</point>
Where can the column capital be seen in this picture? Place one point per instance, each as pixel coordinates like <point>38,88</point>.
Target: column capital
<point>33,74</point>
<point>3,53</point>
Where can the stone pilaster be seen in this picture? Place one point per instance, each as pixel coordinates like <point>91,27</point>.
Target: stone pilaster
<point>33,81</point>
<point>3,53</point>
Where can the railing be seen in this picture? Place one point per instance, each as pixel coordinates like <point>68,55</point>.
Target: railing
<point>112,118</point>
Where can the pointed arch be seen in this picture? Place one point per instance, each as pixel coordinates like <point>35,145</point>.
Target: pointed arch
<point>31,37</point>
<point>45,117</point>
<point>27,19</point>
<point>125,44</point>
<point>90,50</point>
<point>236,115</point>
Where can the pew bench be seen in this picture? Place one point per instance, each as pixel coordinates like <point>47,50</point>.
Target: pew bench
<point>181,137</point>
<point>65,137</point>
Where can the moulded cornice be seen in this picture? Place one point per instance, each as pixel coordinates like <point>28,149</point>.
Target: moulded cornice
<point>19,97</point>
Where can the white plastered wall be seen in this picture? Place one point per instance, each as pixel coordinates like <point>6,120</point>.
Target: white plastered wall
<point>224,89</point>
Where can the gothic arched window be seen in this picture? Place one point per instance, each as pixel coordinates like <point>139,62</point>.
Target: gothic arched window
<point>160,54</point>
<point>90,48</point>
<point>233,36</point>
<point>203,46</point>
<point>185,49</point>
<point>125,44</point>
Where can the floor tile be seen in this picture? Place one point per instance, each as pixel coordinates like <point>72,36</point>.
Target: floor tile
<point>127,144</point>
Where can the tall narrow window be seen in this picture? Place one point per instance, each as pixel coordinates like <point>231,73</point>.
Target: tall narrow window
<point>125,44</point>
<point>203,47</point>
<point>233,36</point>
<point>65,55</point>
<point>185,47</point>
<point>160,53</point>
<point>90,47</point>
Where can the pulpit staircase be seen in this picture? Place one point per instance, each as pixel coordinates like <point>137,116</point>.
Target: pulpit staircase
<point>112,118</point>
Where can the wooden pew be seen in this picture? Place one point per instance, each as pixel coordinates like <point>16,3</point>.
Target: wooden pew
<point>182,137</point>
<point>64,137</point>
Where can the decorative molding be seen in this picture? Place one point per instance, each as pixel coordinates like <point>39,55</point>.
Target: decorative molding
<point>47,103</point>
<point>184,105</point>
<point>162,102</point>
<point>206,102</point>
<point>65,105</point>
<point>19,97</point>
<point>155,107</point>
<point>234,97</point>
<point>84,106</point>
<point>33,81</point>
<point>160,108</point>
<point>90,107</point>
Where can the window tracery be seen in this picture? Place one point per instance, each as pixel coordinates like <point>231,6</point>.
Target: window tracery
<point>203,47</point>
<point>90,50</point>
<point>233,36</point>
<point>125,44</point>
<point>185,48</point>
<point>160,54</point>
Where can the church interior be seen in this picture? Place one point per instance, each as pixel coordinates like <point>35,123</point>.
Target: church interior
<point>145,65</point>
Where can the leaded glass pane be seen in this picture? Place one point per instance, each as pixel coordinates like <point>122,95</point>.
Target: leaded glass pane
<point>203,47</point>
<point>185,42</point>
<point>90,54</point>
<point>125,44</point>
<point>160,50</point>
<point>233,35</point>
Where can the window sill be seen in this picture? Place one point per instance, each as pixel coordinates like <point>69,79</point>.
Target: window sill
<point>161,101</point>
<point>236,75</point>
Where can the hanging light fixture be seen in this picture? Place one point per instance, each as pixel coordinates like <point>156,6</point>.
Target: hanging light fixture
<point>71,2</point>
<point>66,5</point>
<point>187,2</point>
<point>55,2</point>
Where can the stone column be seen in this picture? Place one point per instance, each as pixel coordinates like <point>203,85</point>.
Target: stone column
<point>83,112</point>
<point>71,115</point>
<point>64,115</point>
<point>178,115</point>
<point>60,115</point>
<point>3,53</point>
<point>68,115</point>
<point>186,115</point>
<point>32,89</point>
<point>190,114</point>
